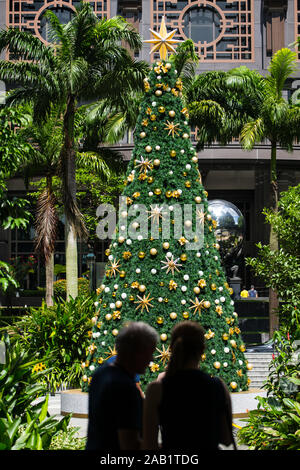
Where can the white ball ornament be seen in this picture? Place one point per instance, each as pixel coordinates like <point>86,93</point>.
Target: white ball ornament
<point>183,288</point>
<point>123,295</point>
<point>188,166</point>
<point>153,271</point>
<point>186,277</point>
<point>107,289</point>
<point>138,270</point>
<point>222,299</point>
<point>226,350</point>
<point>217,301</point>
<point>129,241</point>
<point>213,352</point>
<point>183,302</point>
<point>157,147</point>
<point>160,299</point>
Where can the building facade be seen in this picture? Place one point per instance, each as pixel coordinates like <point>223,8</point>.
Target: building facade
<point>226,34</point>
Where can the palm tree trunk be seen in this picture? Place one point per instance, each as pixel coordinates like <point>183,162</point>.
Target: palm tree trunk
<point>70,200</point>
<point>273,241</point>
<point>49,266</point>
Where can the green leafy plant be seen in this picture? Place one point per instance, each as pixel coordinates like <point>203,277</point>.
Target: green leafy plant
<point>24,419</point>
<point>274,425</point>
<point>60,287</point>
<point>59,334</point>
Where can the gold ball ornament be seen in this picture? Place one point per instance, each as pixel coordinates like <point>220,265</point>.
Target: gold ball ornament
<point>168,194</point>
<point>249,366</point>
<point>115,332</point>
<point>185,315</point>
<point>108,316</point>
<point>183,257</point>
<point>141,254</point>
<point>153,251</point>
<point>188,184</point>
<point>225,336</point>
<point>173,153</point>
<point>153,117</point>
<point>150,179</point>
<point>206,304</point>
<point>198,199</point>
<point>233,385</point>
<point>213,286</point>
<point>159,320</point>
<point>142,288</point>
<point>195,159</point>
<point>119,304</point>
<point>172,113</point>
<point>233,343</point>
<point>158,92</point>
<point>217,365</point>
<point>148,148</point>
<point>161,109</point>
<point>157,191</point>
<point>197,290</point>
<point>156,162</point>
<point>166,245</point>
<point>173,315</point>
<point>143,135</point>
<point>122,273</point>
<point>163,337</point>
<point>185,135</point>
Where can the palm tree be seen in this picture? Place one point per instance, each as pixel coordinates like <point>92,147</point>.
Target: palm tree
<point>84,62</point>
<point>219,105</point>
<point>278,122</point>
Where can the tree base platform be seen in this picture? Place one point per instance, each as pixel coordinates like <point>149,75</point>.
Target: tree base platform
<point>76,402</point>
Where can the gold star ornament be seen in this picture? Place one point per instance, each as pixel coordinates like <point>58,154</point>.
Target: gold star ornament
<point>163,41</point>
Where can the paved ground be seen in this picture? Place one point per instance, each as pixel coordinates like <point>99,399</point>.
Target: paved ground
<point>240,403</point>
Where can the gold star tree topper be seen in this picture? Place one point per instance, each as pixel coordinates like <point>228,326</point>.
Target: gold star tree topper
<point>163,41</point>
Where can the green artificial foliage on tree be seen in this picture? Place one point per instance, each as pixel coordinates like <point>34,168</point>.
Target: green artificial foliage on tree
<point>160,280</point>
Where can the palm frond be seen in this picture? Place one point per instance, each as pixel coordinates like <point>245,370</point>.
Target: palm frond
<point>282,66</point>
<point>206,110</point>
<point>117,29</point>
<point>27,46</point>
<point>252,132</point>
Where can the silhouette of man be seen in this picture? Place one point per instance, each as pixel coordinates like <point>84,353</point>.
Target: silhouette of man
<point>115,403</point>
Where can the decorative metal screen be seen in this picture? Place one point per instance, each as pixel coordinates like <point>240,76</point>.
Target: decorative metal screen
<point>27,15</point>
<point>222,30</point>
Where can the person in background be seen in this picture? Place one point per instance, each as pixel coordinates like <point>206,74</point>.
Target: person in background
<point>190,408</point>
<point>244,293</point>
<point>115,404</point>
<point>252,292</point>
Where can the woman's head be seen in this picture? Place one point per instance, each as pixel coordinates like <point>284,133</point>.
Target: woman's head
<point>187,345</point>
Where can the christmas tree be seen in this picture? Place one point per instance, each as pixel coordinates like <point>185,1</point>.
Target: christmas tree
<point>174,273</point>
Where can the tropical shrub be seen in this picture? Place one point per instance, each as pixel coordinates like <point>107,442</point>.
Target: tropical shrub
<point>275,424</point>
<point>60,287</point>
<point>59,334</point>
<point>24,421</point>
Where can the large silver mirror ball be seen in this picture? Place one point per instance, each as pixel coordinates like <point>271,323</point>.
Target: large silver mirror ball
<point>230,230</point>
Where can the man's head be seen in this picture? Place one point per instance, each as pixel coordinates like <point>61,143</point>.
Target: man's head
<point>252,287</point>
<point>135,345</point>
